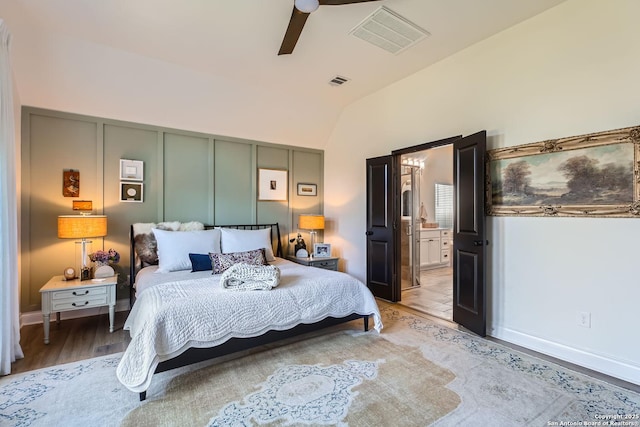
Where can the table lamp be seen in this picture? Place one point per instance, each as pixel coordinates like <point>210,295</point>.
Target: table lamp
<point>312,223</point>
<point>82,227</point>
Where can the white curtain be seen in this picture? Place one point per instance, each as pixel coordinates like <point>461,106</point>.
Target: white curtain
<point>9,300</point>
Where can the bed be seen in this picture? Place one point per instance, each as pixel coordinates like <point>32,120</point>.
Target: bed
<point>185,312</point>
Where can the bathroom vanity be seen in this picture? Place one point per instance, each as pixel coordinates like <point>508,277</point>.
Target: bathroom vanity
<point>435,247</point>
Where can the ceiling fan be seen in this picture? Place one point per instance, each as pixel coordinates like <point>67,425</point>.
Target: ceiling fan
<point>301,11</point>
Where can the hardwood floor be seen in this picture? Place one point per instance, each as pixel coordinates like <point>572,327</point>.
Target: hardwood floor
<point>434,296</point>
<point>70,341</point>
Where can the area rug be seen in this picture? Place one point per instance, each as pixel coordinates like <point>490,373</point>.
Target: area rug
<point>415,373</point>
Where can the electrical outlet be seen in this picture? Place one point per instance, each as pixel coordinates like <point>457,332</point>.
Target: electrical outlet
<point>584,319</point>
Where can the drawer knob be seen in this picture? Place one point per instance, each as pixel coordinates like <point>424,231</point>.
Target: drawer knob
<point>79,305</point>
<point>77,294</point>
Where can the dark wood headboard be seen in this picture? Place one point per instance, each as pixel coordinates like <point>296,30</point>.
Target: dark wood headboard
<point>275,240</point>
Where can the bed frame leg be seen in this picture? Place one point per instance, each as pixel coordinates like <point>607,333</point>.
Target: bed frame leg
<point>143,396</point>
<point>366,323</point>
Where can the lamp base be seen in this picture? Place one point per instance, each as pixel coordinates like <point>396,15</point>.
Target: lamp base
<point>312,249</point>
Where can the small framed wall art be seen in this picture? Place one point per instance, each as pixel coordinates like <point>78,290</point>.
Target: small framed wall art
<point>131,170</point>
<point>71,183</point>
<point>131,192</point>
<point>82,205</point>
<point>307,189</point>
<point>272,184</point>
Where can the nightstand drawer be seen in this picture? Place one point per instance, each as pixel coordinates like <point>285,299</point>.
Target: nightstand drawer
<point>79,302</point>
<point>78,293</point>
<point>330,264</point>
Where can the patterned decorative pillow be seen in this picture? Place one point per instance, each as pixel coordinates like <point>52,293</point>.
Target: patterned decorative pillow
<point>144,241</point>
<point>245,240</point>
<point>220,262</point>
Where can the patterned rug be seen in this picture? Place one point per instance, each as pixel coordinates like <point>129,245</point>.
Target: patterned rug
<point>415,373</point>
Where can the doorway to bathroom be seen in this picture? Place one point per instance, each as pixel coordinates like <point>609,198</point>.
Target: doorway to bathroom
<point>426,230</point>
<point>467,241</point>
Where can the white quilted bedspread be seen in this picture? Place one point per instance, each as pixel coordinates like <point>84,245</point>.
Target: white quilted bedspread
<point>171,317</point>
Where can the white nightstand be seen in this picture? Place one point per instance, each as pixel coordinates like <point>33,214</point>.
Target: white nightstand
<point>66,295</point>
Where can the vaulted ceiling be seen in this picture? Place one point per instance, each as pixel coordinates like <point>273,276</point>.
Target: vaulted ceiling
<point>239,39</point>
<point>235,43</point>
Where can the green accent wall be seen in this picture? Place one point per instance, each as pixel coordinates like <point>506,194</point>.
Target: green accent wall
<point>184,187</point>
<point>234,195</point>
<point>188,176</point>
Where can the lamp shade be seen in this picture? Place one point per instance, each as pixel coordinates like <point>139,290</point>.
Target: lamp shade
<point>311,222</point>
<point>81,226</point>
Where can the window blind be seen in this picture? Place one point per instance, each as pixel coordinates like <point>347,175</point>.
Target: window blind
<point>444,205</point>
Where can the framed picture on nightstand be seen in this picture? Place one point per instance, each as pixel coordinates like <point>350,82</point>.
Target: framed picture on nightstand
<point>321,250</point>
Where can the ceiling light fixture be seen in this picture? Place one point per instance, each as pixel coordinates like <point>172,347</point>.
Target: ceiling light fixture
<point>307,6</point>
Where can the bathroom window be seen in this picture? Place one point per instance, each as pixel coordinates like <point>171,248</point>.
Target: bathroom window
<point>444,205</point>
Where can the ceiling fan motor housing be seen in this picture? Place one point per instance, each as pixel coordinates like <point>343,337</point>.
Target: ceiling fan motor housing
<point>307,6</point>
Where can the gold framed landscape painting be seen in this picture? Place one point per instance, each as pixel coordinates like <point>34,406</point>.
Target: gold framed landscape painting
<point>593,175</point>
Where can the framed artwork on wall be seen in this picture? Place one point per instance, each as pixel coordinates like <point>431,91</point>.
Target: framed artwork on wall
<point>272,184</point>
<point>131,192</point>
<point>71,183</point>
<point>131,170</point>
<point>307,189</point>
<point>594,175</point>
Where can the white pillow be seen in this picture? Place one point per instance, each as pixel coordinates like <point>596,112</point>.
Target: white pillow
<point>247,240</point>
<point>174,247</point>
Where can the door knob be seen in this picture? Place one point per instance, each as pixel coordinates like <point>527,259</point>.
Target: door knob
<point>369,233</point>
<point>480,242</point>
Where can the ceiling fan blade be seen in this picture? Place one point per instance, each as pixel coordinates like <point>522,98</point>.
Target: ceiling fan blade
<point>339,2</point>
<point>296,24</point>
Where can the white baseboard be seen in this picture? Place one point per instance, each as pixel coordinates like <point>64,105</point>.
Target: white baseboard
<point>615,368</point>
<point>35,317</point>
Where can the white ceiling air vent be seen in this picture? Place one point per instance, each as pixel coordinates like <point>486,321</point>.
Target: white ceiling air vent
<point>388,30</point>
<point>338,80</point>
